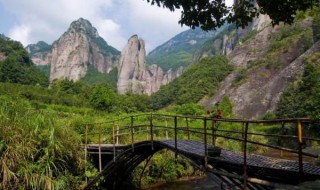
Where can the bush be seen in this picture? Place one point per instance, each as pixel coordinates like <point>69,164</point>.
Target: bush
<point>190,109</point>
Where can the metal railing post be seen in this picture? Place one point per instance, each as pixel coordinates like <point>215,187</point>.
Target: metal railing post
<point>100,162</point>
<point>132,133</point>
<point>166,124</point>
<point>205,143</point>
<point>243,134</point>
<point>245,140</point>
<point>299,126</point>
<point>187,123</point>
<point>114,142</point>
<point>176,136</point>
<point>282,132</point>
<point>118,134</point>
<point>151,130</point>
<point>214,125</point>
<point>85,152</point>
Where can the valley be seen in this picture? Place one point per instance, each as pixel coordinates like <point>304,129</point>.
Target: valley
<point>49,91</point>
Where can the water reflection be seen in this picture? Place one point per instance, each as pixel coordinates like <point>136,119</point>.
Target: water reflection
<point>195,184</point>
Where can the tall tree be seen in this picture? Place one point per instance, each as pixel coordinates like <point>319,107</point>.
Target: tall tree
<point>210,14</point>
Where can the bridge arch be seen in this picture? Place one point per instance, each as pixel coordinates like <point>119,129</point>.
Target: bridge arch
<point>115,172</point>
<point>194,145</point>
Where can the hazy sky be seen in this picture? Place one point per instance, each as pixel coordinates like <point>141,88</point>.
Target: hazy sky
<point>29,21</point>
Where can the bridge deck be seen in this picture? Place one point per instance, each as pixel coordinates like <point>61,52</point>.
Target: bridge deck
<point>229,157</point>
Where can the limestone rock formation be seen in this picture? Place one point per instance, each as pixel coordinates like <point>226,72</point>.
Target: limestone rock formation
<point>133,76</point>
<point>40,53</point>
<point>132,66</point>
<point>70,55</point>
<point>263,85</point>
<point>80,46</point>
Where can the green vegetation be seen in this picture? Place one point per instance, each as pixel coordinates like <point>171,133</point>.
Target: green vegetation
<point>163,167</point>
<point>41,46</point>
<point>240,77</point>
<point>213,46</point>
<point>45,69</point>
<point>172,60</point>
<point>36,152</point>
<point>301,99</point>
<point>210,15</point>
<point>103,97</point>
<point>199,80</point>
<point>93,76</point>
<point>40,128</point>
<point>17,67</point>
<point>178,51</point>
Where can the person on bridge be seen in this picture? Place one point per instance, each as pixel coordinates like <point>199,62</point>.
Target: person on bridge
<point>219,114</point>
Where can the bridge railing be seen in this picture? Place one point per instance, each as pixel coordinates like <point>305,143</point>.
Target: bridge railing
<point>258,136</point>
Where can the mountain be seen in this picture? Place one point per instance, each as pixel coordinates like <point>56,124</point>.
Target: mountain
<point>178,51</point>
<point>40,53</point>
<point>77,49</point>
<point>267,61</point>
<point>39,47</point>
<point>16,65</point>
<point>134,76</point>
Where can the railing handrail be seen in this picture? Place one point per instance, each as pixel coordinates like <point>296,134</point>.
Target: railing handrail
<point>236,120</point>
<point>152,118</point>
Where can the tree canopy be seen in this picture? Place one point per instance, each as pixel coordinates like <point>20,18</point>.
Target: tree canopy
<point>210,14</point>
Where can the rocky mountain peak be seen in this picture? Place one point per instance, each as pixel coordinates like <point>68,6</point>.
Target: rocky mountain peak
<point>131,65</point>
<point>38,47</point>
<point>83,25</point>
<point>79,47</point>
<point>134,76</point>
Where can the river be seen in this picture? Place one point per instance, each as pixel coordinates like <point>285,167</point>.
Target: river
<point>194,184</point>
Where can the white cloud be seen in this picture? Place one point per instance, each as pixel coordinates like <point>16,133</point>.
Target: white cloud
<point>47,20</point>
<point>110,31</point>
<point>115,20</point>
<point>20,33</point>
<point>154,24</point>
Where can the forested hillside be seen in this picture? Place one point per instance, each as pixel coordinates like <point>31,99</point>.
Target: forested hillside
<point>266,62</point>
<point>178,51</point>
<point>16,66</point>
<point>198,81</point>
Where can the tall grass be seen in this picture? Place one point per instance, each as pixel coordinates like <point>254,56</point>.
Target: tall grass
<point>35,153</point>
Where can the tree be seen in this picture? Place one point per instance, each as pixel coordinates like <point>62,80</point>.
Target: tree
<point>210,14</point>
<point>103,97</point>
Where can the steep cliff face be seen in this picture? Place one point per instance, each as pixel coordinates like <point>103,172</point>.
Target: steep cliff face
<point>70,55</point>
<point>267,62</point>
<point>40,53</point>
<point>132,66</point>
<point>133,76</point>
<point>226,41</point>
<point>80,46</point>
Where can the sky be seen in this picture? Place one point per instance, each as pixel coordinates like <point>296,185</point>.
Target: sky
<point>30,21</point>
